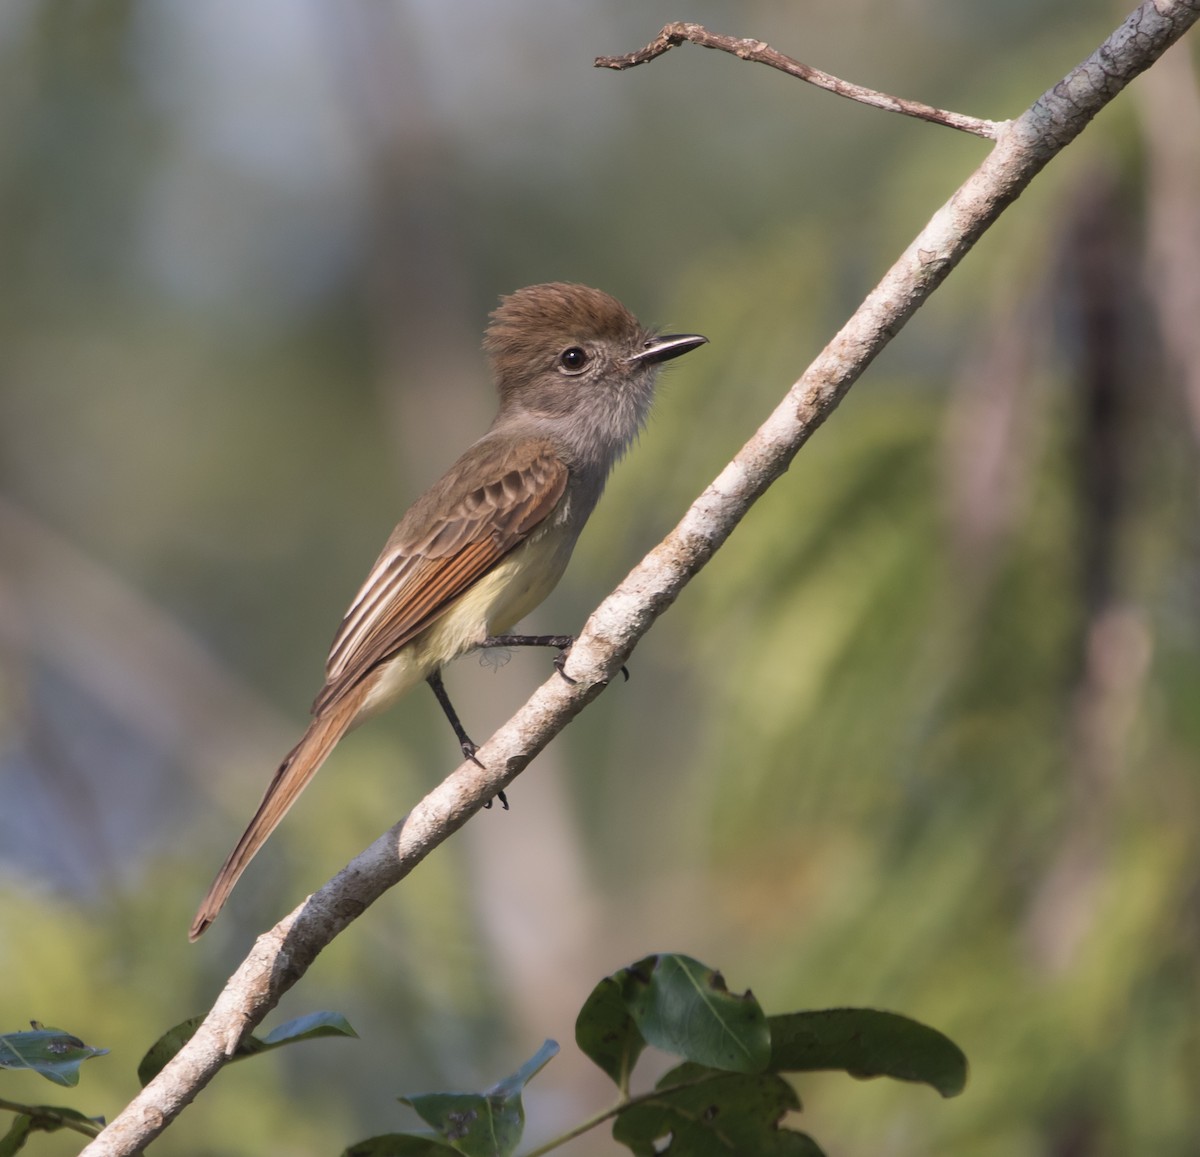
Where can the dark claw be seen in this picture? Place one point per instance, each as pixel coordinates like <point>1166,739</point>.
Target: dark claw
<point>560,661</point>
<point>501,797</point>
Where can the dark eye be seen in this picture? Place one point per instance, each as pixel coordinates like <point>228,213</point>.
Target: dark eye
<point>573,359</point>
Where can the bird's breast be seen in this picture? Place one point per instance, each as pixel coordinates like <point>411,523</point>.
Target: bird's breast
<point>523,578</point>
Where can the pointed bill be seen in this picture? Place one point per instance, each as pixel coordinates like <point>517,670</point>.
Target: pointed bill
<point>664,347</point>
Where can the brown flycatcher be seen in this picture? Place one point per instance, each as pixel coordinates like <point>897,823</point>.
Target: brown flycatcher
<point>488,541</point>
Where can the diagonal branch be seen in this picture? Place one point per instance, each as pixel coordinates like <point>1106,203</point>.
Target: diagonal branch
<point>760,52</point>
<point>281,956</point>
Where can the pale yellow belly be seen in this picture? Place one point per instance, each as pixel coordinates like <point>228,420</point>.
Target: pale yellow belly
<point>504,596</point>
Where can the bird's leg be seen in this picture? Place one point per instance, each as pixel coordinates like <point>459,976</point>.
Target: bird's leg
<point>563,643</point>
<point>464,740</point>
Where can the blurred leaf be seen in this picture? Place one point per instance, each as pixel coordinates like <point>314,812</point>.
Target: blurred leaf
<point>163,1049</point>
<point>15,1138</point>
<point>865,1042</point>
<point>683,1007</point>
<point>607,1034</point>
<point>473,1123</point>
<point>308,1027</point>
<point>514,1084</point>
<point>45,1119</point>
<point>483,1124</point>
<point>54,1054</point>
<point>715,1113</point>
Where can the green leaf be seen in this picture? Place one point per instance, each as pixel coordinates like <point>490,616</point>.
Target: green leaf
<point>14,1140</point>
<point>711,1113</point>
<point>400,1145</point>
<point>867,1043</point>
<point>163,1049</point>
<point>54,1054</point>
<point>309,1027</point>
<point>483,1124</point>
<point>473,1123</point>
<point>607,1034</point>
<point>45,1119</point>
<point>50,1118</point>
<point>683,1007</point>
<point>514,1084</point>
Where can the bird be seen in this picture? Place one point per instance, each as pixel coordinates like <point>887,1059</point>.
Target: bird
<point>575,372</point>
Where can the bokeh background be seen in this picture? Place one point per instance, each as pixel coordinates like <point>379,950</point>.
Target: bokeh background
<point>925,735</point>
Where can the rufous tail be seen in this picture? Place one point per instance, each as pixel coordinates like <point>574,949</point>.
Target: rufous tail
<point>300,765</point>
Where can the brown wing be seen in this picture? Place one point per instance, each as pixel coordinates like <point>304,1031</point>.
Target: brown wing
<point>452,536</point>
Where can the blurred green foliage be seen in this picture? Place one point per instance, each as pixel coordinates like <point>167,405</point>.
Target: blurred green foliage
<point>924,735</point>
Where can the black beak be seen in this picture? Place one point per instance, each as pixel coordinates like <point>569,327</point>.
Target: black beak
<point>667,346</point>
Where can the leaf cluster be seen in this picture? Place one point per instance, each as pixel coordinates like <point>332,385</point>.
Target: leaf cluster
<point>728,1093</point>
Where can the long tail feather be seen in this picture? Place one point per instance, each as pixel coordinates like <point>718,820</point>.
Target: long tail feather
<point>300,765</point>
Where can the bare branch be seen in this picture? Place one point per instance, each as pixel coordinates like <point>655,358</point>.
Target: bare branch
<point>760,52</point>
<point>280,957</point>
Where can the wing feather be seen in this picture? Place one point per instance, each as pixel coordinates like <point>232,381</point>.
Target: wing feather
<point>452,537</point>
